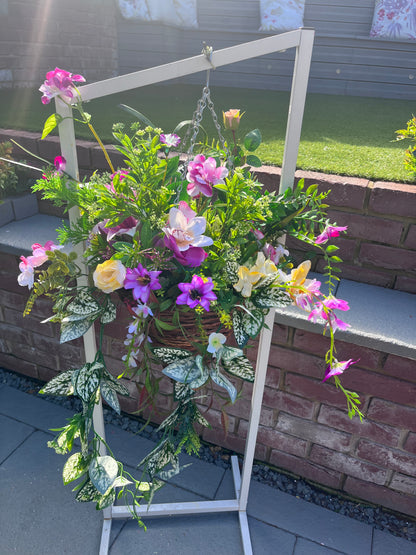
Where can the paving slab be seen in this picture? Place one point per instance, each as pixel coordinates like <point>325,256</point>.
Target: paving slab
<point>198,476</point>
<point>12,434</point>
<point>387,544</point>
<point>306,547</point>
<point>32,410</point>
<point>40,516</point>
<point>269,540</point>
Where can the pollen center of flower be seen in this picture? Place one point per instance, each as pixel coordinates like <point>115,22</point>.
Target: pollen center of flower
<point>195,294</point>
<point>143,280</point>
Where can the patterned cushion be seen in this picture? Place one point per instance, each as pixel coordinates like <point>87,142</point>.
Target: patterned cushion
<point>181,13</point>
<point>394,19</point>
<point>281,15</point>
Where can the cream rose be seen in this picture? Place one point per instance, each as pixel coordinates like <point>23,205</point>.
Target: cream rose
<point>109,276</point>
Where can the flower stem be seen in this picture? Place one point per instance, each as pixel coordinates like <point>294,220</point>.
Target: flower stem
<point>102,146</point>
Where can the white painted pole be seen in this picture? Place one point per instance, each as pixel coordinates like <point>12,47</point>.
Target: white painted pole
<point>296,108</point>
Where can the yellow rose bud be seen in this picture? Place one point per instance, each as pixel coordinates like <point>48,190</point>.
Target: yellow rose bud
<point>231,119</point>
<point>109,276</point>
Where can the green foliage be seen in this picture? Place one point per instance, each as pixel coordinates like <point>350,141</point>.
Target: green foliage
<point>8,177</point>
<point>410,154</point>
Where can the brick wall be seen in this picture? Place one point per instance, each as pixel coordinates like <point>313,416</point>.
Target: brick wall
<point>304,427</point>
<point>36,36</point>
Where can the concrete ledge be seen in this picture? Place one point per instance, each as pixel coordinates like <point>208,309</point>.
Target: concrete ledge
<point>381,319</point>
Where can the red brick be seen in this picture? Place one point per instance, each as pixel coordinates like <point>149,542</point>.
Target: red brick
<point>410,444</point>
<point>9,264</point>
<point>314,390</point>
<point>276,440</point>
<point>49,147</point>
<point>13,300</point>
<point>380,386</point>
<point>380,495</point>
<point>372,430</point>
<point>273,377</point>
<point>318,344</point>
<point>372,276</point>
<point>344,191</point>
<point>403,483</point>
<point>214,418</point>
<point>286,402</point>
<point>294,361</point>
<point>393,414</point>
<point>16,364</point>
<point>306,469</point>
<point>348,465</point>
<point>396,199</point>
<point>280,334</point>
<point>410,241</point>
<point>370,228</point>
<point>400,367</point>
<point>405,283</point>
<point>312,431</point>
<point>98,160</point>
<point>15,318</point>
<point>232,442</point>
<point>387,458</point>
<point>387,257</point>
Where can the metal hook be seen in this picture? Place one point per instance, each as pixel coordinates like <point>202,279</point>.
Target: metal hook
<point>207,51</point>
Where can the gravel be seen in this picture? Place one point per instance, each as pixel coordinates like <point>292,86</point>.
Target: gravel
<point>378,517</point>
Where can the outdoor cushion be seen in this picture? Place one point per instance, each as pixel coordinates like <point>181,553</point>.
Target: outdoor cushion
<point>394,19</point>
<point>281,15</point>
<point>181,13</point>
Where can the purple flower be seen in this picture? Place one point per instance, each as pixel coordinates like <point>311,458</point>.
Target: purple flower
<point>142,281</point>
<point>203,174</point>
<point>337,368</point>
<point>329,231</point>
<point>198,292</point>
<point>59,83</point>
<point>170,139</point>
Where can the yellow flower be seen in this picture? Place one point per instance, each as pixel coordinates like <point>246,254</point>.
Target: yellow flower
<point>247,278</point>
<point>231,119</point>
<point>264,266</point>
<point>109,276</point>
<point>298,275</point>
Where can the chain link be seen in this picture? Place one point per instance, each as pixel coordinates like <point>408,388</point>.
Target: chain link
<point>194,129</point>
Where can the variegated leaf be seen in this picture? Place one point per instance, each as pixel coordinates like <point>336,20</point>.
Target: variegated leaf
<point>222,381</point>
<point>200,380</point>
<point>109,395</point>
<point>116,384</point>
<point>73,330</point>
<point>109,314</point>
<point>83,304</point>
<point>184,371</point>
<point>74,468</point>
<point>161,456</point>
<point>201,419</point>
<point>239,333</point>
<point>168,355</point>
<point>88,493</point>
<point>121,482</point>
<point>60,385</point>
<point>240,367</point>
<point>271,298</point>
<point>106,500</point>
<point>228,353</point>
<point>103,471</point>
<point>253,322</point>
<point>181,391</point>
<point>87,380</point>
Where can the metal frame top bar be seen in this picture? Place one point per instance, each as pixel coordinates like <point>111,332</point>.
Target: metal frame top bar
<point>191,65</point>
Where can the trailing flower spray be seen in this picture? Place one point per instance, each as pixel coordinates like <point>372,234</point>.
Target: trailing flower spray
<point>169,243</point>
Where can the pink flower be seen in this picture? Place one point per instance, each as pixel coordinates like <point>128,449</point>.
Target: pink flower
<point>59,83</point>
<point>337,368</point>
<point>304,299</point>
<point>186,229</point>
<point>192,257</point>
<point>329,231</point>
<point>198,292</point>
<point>39,255</point>
<point>203,174</point>
<point>60,164</point>
<point>121,175</point>
<point>27,273</point>
<point>275,253</point>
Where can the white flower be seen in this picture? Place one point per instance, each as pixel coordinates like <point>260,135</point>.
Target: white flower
<point>215,342</point>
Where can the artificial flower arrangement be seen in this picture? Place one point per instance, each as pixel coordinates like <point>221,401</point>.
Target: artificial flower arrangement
<point>194,251</point>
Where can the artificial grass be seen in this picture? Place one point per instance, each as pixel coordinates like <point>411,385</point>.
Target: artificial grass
<point>342,135</point>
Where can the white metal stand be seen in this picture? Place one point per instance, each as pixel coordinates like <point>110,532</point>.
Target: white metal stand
<point>302,40</point>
